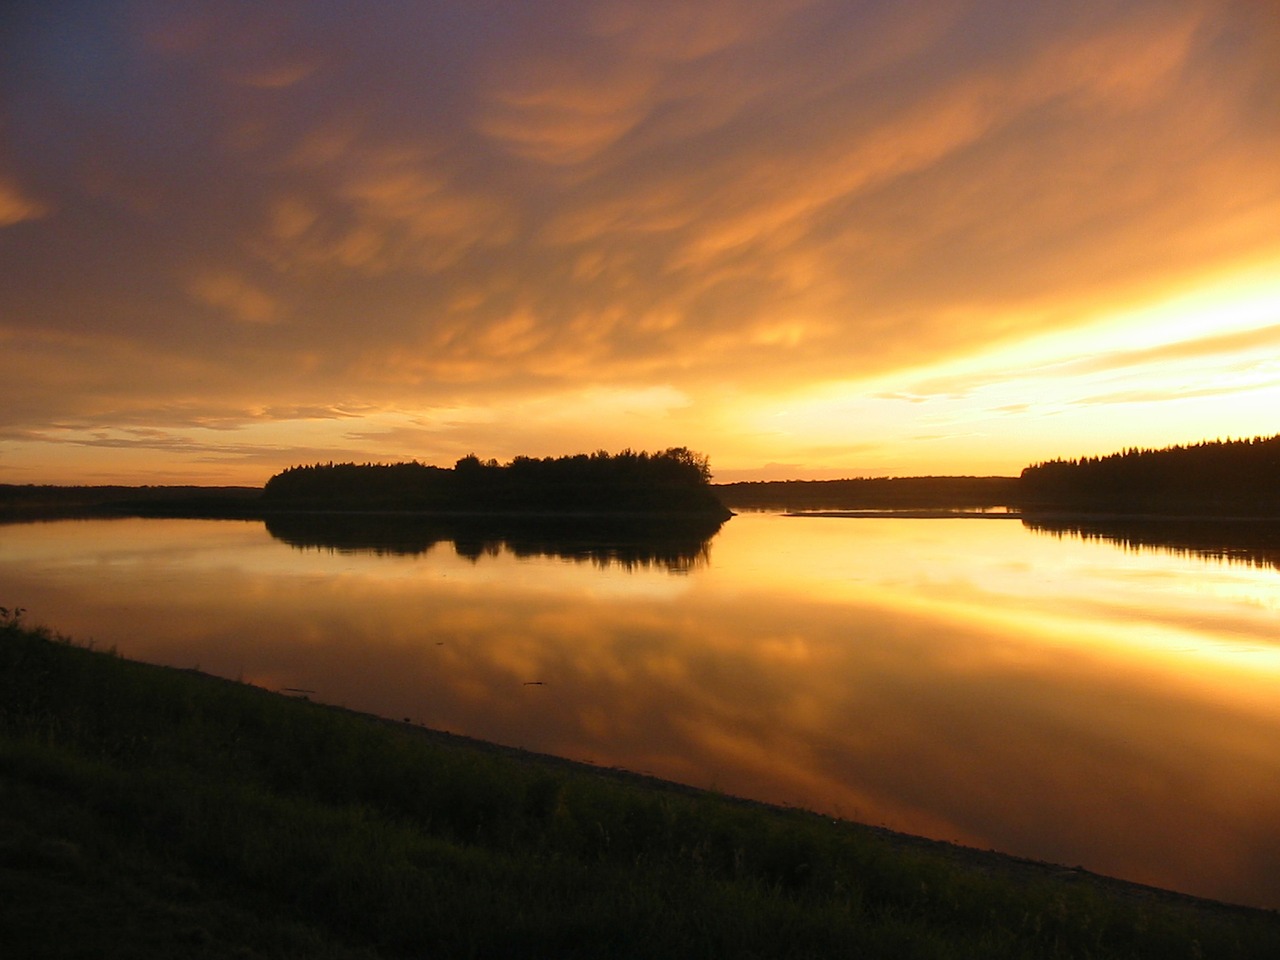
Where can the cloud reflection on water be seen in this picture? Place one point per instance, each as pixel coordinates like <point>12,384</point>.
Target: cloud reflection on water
<point>960,679</point>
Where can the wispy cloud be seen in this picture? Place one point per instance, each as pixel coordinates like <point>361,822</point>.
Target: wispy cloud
<point>16,206</point>
<point>400,207</point>
<point>1256,341</point>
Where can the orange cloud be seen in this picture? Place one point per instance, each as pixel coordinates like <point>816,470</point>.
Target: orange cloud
<point>414,208</point>
<point>564,121</point>
<point>16,206</point>
<point>243,300</point>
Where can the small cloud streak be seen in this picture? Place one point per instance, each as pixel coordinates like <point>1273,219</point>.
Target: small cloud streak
<point>235,295</point>
<point>16,206</point>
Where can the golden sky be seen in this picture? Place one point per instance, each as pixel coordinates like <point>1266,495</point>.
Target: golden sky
<point>809,238</point>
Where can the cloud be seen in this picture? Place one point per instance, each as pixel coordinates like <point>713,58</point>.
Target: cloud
<point>1176,393</point>
<point>1198,356</point>
<point>1263,340</point>
<point>237,296</point>
<point>460,204</point>
<point>547,112</point>
<point>16,206</point>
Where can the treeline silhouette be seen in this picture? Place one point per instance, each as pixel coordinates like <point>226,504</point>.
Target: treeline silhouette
<point>1215,478</point>
<point>20,502</point>
<point>672,481</point>
<point>873,493</point>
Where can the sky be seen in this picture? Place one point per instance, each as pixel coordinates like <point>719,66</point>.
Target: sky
<point>807,238</point>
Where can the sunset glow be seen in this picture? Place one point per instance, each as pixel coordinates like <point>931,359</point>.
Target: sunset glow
<point>806,238</point>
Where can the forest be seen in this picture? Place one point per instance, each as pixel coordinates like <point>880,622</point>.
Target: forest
<point>22,502</point>
<point>672,481</point>
<point>1217,478</point>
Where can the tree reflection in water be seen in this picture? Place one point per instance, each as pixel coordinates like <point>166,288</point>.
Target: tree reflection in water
<point>1251,541</point>
<point>676,544</point>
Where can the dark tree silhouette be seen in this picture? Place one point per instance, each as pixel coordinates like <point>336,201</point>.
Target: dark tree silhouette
<point>676,480</point>
<point>1215,478</point>
<point>675,543</point>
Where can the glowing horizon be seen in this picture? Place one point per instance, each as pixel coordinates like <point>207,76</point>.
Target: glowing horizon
<point>807,239</point>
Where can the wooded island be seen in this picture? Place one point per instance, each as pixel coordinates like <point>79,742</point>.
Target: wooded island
<point>676,481</point>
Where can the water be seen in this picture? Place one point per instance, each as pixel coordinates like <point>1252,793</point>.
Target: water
<point>1106,704</point>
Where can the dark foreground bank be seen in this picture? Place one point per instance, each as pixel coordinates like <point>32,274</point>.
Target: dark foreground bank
<point>153,812</point>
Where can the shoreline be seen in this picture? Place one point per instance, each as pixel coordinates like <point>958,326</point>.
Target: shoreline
<point>21,503</point>
<point>1027,515</point>
<point>909,513</point>
<point>152,805</point>
<point>990,861</point>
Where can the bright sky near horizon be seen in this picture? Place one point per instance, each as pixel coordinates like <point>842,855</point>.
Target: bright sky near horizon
<point>808,238</point>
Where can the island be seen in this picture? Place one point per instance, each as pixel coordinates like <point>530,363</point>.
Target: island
<point>671,483</point>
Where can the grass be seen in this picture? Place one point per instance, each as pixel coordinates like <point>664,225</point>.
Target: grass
<point>154,812</point>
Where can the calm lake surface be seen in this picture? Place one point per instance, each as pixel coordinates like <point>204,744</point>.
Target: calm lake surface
<point>973,680</point>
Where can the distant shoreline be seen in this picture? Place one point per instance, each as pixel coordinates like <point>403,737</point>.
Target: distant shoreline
<point>888,513</point>
<point>1029,515</point>
<point>947,498</point>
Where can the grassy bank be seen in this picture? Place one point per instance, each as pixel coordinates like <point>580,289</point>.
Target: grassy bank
<point>154,812</point>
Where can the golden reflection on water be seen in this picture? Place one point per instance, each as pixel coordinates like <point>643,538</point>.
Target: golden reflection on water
<point>964,679</point>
